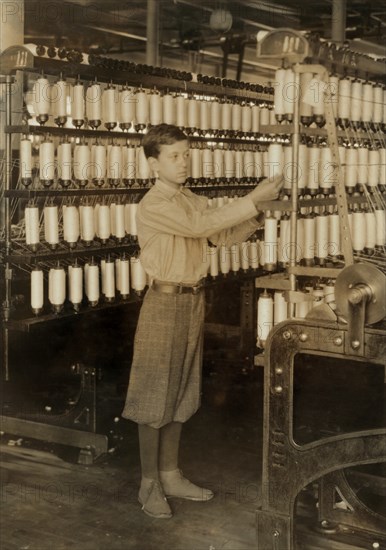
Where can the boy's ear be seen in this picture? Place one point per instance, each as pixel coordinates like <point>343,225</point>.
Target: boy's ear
<point>153,163</point>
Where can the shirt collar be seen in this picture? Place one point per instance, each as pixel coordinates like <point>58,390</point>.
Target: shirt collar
<point>167,189</point>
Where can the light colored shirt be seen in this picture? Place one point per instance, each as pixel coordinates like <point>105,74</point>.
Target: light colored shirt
<point>174,226</point>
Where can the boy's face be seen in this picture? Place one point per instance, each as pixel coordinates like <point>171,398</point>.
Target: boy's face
<point>172,164</point>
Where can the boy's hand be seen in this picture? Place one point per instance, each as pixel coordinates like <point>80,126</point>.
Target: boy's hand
<point>267,190</point>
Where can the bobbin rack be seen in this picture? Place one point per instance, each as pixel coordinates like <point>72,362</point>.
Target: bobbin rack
<point>75,174</point>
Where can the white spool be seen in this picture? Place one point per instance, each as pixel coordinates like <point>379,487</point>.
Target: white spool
<point>225,259</point>
<point>124,277</point>
<point>381,227</point>
<point>181,102</point>
<point>377,104</point>
<point>321,236</point>
<point>358,231</point>
<point>239,163</point>
<point>264,317</point>
<point>87,224</point>
<point>51,225</point>
<point>131,214</point>
<point>78,103</point>
<point>119,221</point>
<point>155,108</point>
<point>41,95</point>
<point>143,169</point>
<point>284,242</point>
<point>82,163</point>
<point>92,283</point>
<point>110,107</point>
<point>319,98</point>
<point>313,163</point>
<point>300,239</point>
<point>108,284</point>
<point>255,119</point>
<point>205,115</point>
<point>327,170</point>
<point>229,164</point>
<point>279,307</point>
<point>114,163</point>
<point>59,99</point>
<point>356,101</point>
<point>275,159</point>
<point>208,167</point>
<point>374,167</point>
<point>64,160</point>
<point>309,238</point>
<point>264,117</point>
<point>351,171</point>
<point>363,168</point>
<point>270,240</point>
<point>371,230</point>
<point>226,115</point>
<point>215,114</point>
<point>129,168</point>
<point>287,166</point>
<point>26,159</point>
<point>244,255</point>
<point>71,224</point>
<point>37,290</point>
<point>235,257</point>
<point>254,254</point>
<point>57,286</point>
<point>94,103</point>
<point>195,164</point>
<point>137,274</point>
<point>142,107</point>
<point>31,214</point>
<point>278,98</point>
<point>334,246</point>
<point>305,109</point>
<point>47,161</point>
<point>75,284</point>
<point>249,165</point>
<point>303,166</point>
<point>246,119</point>
<point>367,102</point>
<point>290,93</point>
<point>192,113</point>
<point>302,308</point>
<point>344,99</point>
<point>98,162</point>
<point>236,117</point>
<point>126,107</point>
<point>218,163</point>
<point>258,159</point>
<point>382,166</point>
<point>104,223</point>
<point>212,252</point>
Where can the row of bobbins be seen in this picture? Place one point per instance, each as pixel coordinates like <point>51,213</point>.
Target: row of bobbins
<point>109,280</point>
<point>84,223</point>
<point>355,102</point>
<point>125,108</point>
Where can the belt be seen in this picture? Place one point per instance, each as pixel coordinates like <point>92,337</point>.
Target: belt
<point>176,288</point>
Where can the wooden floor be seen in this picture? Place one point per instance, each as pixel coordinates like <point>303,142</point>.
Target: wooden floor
<point>51,503</point>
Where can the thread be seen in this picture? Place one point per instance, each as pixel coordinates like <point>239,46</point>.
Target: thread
<point>82,163</point>
<point>279,307</point>
<point>155,108</point>
<point>225,259</point>
<point>181,111</point>
<point>264,317</point>
<point>374,168</point>
<point>371,230</point>
<point>278,99</point>
<point>26,161</point>
<point>37,290</point>
<point>126,107</point>
<point>57,287</point>
<point>275,159</point>
<point>75,284</point>
<point>104,224</point>
<point>192,113</point>
<point>32,237</point>
<point>87,225</point>
<point>381,227</point>
<point>204,116</point>
<point>255,119</point>
<point>344,99</point>
<point>142,107</point>
<point>92,283</point>
<point>246,119</point>
<point>64,161</point>
<point>358,233</point>
<point>47,161</point>
<point>108,279</point>
<point>71,224</point>
<point>59,99</point>
<point>321,236</point>
<point>114,164</point>
<point>137,274</point>
<point>235,258</point>
<point>94,104</point>
<point>270,240</point>
<point>77,104</point>
<point>124,277</point>
<point>51,225</point>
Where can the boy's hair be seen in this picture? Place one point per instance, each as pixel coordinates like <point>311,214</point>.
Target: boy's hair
<point>162,134</point>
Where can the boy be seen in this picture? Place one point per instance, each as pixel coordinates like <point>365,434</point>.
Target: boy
<point>174,227</point>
